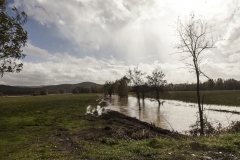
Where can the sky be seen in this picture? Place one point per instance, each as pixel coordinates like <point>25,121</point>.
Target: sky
<point>73,41</point>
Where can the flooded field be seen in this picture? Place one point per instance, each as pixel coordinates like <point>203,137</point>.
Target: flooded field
<point>172,115</point>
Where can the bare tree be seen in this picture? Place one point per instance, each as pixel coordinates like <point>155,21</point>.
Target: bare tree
<point>137,80</point>
<point>144,88</point>
<point>157,83</point>
<point>108,88</point>
<point>194,38</point>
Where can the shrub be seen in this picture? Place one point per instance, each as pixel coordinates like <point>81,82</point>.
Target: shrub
<point>43,92</point>
<point>35,94</point>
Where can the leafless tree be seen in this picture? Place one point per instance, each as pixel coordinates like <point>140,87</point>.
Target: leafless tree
<point>157,83</point>
<point>137,79</point>
<point>194,38</point>
<point>108,88</point>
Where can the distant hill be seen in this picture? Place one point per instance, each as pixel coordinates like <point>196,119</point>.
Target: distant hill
<point>26,90</point>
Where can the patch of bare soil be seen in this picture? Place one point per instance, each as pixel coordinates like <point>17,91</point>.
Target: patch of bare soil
<point>109,125</point>
<point>118,125</point>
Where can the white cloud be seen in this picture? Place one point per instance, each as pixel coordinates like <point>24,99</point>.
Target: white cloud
<point>31,50</point>
<point>126,28</point>
<point>232,32</point>
<point>234,57</point>
<point>64,68</point>
<point>138,32</point>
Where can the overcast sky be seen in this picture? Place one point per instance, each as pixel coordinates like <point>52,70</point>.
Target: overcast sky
<point>72,41</point>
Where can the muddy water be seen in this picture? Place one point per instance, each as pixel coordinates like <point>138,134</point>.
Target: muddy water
<point>172,115</point>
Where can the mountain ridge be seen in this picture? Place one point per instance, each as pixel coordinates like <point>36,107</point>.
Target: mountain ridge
<point>25,90</point>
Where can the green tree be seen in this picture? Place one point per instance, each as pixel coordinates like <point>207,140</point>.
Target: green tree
<point>123,87</point>
<point>97,89</point>
<point>62,91</point>
<point>13,38</point>
<point>43,92</point>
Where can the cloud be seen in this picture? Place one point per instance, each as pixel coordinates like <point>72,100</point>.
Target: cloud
<point>232,34</point>
<point>125,29</point>
<point>59,68</point>
<point>234,57</point>
<point>31,50</point>
<point>64,68</point>
<point>109,36</point>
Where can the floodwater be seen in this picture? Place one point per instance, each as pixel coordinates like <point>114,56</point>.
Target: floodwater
<point>172,115</point>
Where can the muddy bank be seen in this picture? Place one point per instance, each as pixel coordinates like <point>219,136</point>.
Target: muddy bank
<point>113,126</point>
<point>109,125</point>
<point>117,125</point>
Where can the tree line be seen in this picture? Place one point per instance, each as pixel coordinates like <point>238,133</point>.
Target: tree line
<point>93,89</point>
<point>217,84</point>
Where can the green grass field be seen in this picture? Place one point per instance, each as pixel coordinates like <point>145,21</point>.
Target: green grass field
<point>228,98</point>
<point>25,120</point>
<point>29,127</point>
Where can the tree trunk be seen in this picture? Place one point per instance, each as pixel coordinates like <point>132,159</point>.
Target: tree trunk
<point>138,97</point>
<point>159,103</point>
<point>199,103</point>
<point>139,105</point>
<point>143,95</point>
<point>157,97</point>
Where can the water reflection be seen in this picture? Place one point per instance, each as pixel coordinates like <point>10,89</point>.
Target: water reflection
<point>172,114</point>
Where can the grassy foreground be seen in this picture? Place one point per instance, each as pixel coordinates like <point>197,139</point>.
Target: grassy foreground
<point>221,97</point>
<point>55,127</point>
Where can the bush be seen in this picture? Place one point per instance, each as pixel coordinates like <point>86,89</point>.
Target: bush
<point>234,127</point>
<point>43,92</point>
<point>208,128</point>
<point>35,94</point>
<point>62,91</point>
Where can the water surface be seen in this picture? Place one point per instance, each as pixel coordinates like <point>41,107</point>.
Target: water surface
<point>172,115</point>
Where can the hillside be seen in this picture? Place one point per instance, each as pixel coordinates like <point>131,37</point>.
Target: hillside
<point>27,90</point>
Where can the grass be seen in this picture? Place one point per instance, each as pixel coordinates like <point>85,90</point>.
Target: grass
<point>226,146</point>
<point>29,127</point>
<point>228,97</point>
<point>24,120</point>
